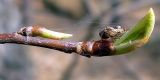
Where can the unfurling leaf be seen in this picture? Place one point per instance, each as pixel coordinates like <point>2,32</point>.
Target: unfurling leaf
<point>136,36</point>
<point>35,31</point>
<point>54,35</point>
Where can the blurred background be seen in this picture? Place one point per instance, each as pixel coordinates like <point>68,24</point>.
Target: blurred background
<point>84,19</point>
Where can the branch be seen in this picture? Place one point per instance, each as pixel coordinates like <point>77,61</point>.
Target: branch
<point>114,41</point>
<point>90,48</point>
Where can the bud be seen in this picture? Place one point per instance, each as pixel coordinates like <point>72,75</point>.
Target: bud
<point>136,36</point>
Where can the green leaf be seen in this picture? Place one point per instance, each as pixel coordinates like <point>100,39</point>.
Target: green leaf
<point>136,36</point>
<point>54,35</point>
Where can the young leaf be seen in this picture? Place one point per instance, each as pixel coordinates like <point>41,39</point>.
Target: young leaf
<point>136,36</point>
<point>54,35</point>
<point>35,31</point>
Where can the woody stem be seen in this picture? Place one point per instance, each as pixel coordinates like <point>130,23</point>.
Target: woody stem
<point>89,48</point>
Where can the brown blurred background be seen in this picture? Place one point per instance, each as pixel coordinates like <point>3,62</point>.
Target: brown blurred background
<point>83,19</point>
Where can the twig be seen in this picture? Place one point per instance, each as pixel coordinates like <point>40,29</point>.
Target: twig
<point>132,39</point>
<point>103,47</point>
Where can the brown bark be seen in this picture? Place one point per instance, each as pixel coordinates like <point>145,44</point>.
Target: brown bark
<point>103,47</point>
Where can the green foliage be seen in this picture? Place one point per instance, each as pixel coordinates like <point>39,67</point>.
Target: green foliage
<point>54,35</point>
<point>136,36</point>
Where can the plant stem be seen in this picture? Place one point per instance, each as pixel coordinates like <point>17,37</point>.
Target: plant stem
<point>88,49</point>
